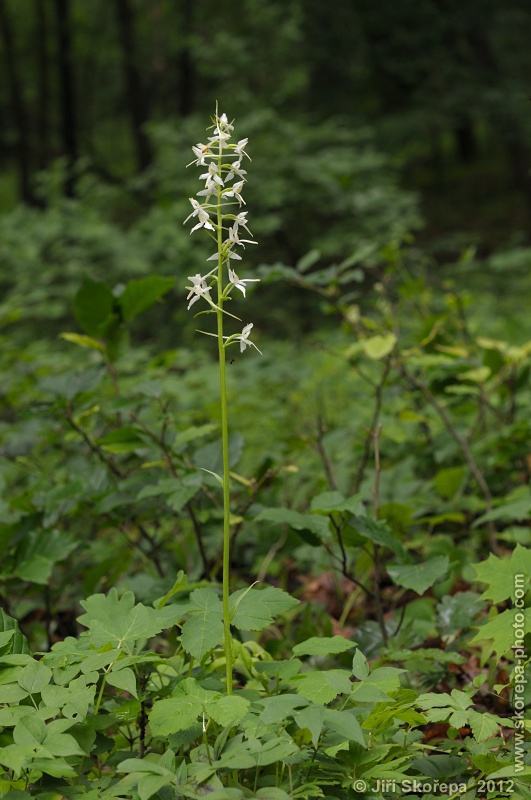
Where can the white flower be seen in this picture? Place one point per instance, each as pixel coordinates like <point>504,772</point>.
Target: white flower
<point>238,148</point>
<point>199,211</point>
<point>235,170</point>
<point>244,340</point>
<point>212,175</point>
<point>199,289</point>
<point>241,219</point>
<point>235,192</point>
<point>200,151</point>
<point>233,237</point>
<point>239,283</point>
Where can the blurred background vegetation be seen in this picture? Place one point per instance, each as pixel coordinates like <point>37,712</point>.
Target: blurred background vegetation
<point>371,123</point>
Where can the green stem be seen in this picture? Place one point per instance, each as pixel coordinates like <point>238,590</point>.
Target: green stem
<point>227,639</point>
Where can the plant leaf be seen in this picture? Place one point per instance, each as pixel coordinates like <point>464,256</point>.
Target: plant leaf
<point>255,609</point>
<point>419,577</point>
<point>323,646</point>
<point>204,629</point>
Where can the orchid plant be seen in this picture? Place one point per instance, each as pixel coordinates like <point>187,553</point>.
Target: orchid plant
<point>215,213</point>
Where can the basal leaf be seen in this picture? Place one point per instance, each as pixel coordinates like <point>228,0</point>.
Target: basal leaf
<point>204,629</point>
<point>323,646</point>
<point>419,577</point>
<point>255,609</point>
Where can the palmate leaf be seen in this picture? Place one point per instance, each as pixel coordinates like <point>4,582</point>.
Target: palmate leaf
<point>499,631</point>
<point>254,609</point>
<point>204,629</point>
<point>499,574</point>
<point>120,622</point>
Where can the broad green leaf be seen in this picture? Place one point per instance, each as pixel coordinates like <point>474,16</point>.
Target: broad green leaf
<point>174,714</point>
<point>378,347</point>
<point>448,481</point>
<point>149,785</point>
<point>300,522</point>
<point>16,757</point>
<point>194,432</point>
<point>453,707</point>
<point>484,725</point>
<point>499,574</point>
<point>34,677</point>
<point>123,679</point>
<point>311,717</point>
<point>93,305</point>
<point>122,440</point>
<point>204,629</point>
<point>380,533</point>
<point>141,294</point>
<point>419,577</point>
<point>278,707</point>
<point>62,744</point>
<point>323,646</point>
<point>29,730</point>
<point>499,631</point>
<point>274,750</point>
<point>255,609</point>
<point>323,687</point>
<point>18,642</point>
<point>360,667</point>
<point>228,710</point>
<point>517,506</point>
<point>327,502</point>
<point>282,670</point>
<point>345,724</point>
<point>119,622</point>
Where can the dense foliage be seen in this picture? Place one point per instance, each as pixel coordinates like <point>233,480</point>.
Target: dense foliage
<point>379,454</point>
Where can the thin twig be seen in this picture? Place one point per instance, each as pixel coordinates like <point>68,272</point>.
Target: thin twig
<point>377,563</point>
<point>463,444</point>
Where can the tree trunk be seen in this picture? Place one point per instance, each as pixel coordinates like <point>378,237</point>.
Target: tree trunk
<point>20,117</point>
<point>137,103</point>
<point>43,87</point>
<point>186,67</point>
<point>67,92</point>
<point>465,140</point>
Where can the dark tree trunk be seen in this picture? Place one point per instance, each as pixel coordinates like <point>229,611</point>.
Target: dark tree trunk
<point>186,67</point>
<point>465,140</point>
<point>20,117</point>
<point>137,102</point>
<point>67,92</point>
<point>43,88</point>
